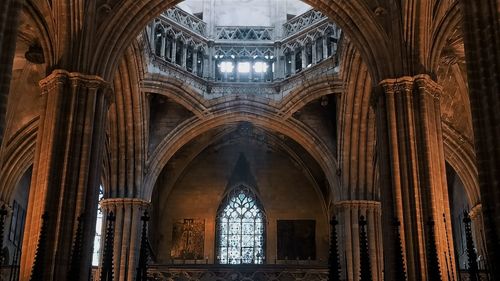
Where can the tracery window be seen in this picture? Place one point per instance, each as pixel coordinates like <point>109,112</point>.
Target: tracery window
<point>241,228</point>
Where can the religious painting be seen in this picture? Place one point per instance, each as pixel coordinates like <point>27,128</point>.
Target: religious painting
<point>296,239</point>
<point>188,237</point>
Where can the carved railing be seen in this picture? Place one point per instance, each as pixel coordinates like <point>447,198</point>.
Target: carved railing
<point>244,51</point>
<point>272,90</point>
<point>191,272</point>
<point>176,37</point>
<point>238,272</point>
<point>187,20</point>
<point>464,275</point>
<point>243,33</point>
<point>301,22</point>
<point>320,30</point>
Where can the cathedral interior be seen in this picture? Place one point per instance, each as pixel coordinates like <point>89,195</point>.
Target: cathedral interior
<point>250,140</point>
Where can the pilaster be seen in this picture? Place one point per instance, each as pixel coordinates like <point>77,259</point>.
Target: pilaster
<point>9,21</point>
<point>279,72</point>
<point>128,212</point>
<point>314,55</point>
<point>304,57</point>
<point>412,177</point>
<point>348,213</point>
<point>325,47</point>
<point>481,29</point>
<point>174,51</point>
<point>194,66</point>
<point>66,170</point>
<point>184,56</point>
<point>476,216</point>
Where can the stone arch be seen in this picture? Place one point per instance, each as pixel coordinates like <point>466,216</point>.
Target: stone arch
<point>44,29</point>
<point>18,156</point>
<point>358,165</point>
<point>309,91</point>
<point>175,89</point>
<point>218,136</point>
<point>459,153</point>
<point>193,128</point>
<point>450,21</point>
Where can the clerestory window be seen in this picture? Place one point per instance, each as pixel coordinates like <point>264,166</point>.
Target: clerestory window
<point>241,228</point>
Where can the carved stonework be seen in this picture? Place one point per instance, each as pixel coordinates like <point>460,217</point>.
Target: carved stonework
<point>301,22</point>
<point>187,20</point>
<point>249,273</point>
<point>244,33</point>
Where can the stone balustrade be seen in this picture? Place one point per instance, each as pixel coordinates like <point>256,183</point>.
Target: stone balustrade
<point>182,39</point>
<point>301,22</point>
<point>238,272</point>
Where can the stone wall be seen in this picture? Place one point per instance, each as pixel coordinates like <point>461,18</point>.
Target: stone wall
<point>286,192</point>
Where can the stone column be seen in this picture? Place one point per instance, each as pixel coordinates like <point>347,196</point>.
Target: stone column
<point>252,70</point>
<point>163,44</point>
<point>278,62</point>
<point>325,47</point>
<point>211,63</point>
<point>66,171</point>
<point>195,62</point>
<point>481,28</point>
<point>348,213</point>
<point>206,65</point>
<point>304,57</point>
<point>476,215</point>
<point>313,50</point>
<point>293,62</point>
<point>174,51</point>
<point>184,56</point>
<point>412,178</point>
<point>128,212</point>
<point>152,27</point>
<point>9,21</point>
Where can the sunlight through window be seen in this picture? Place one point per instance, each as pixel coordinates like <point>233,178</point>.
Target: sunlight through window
<point>260,67</point>
<point>240,229</point>
<point>98,232</point>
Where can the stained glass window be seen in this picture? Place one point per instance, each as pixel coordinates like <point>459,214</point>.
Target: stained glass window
<point>240,228</point>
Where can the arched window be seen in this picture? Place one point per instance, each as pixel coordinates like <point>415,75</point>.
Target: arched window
<point>96,254</point>
<point>240,228</point>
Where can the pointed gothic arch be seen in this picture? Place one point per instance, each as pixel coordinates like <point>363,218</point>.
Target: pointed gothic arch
<point>241,227</point>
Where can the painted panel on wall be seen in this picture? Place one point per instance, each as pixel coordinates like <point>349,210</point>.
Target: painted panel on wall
<point>296,239</point>
<point>188,238</point>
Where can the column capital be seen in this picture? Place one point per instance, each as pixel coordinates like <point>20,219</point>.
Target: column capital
<point>425,84</point>
<point>59,77</point>
<point>77,78</point>
<point>112,203</point>
<point>405,84</point>
<point>475,211</point>
<point>358,204</point>
<point>396,85</point>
